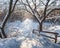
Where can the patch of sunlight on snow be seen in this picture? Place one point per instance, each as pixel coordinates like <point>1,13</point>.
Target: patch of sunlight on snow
<point>29,43</point>
<point>27,24</point>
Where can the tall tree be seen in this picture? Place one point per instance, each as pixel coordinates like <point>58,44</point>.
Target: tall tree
<point>11,9</point>
<point>47,10</point>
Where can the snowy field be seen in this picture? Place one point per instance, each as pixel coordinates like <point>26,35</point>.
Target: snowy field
<point>20,35</point>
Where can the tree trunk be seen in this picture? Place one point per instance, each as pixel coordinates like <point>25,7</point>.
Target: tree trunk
<point>4,35</point>
<point>0,35</point>
<point>11,9</point>
<point>6,18</point>
<point>40,27</point>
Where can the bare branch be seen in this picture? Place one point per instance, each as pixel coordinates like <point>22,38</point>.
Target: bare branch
<point>7,15</point>
<point>53,10</point>
<point>39,3</point>
<point>22,3</point>
<point>25,5</point>
<point>30,6</point>
<point>51,3</point>
<point>14,5</point>
<point>45,10</point>
<point>42,2</point>
<point>34,12</point>
<point>35,8</point>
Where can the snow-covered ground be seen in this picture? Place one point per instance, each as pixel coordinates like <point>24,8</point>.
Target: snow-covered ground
<point>21,27</point>
<point>26,42</point>
<point>55,28</point>
<point>21,36</point>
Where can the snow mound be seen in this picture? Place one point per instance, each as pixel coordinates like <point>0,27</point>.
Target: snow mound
<point>9,43</point>
<point>21,42</point>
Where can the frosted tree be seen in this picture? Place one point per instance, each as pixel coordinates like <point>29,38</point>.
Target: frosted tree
<point>11,9</point>
<point>32,7</point>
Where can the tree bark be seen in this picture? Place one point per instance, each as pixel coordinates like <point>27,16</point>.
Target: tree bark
<point>0,35</point>
<point>4,35</point>
<point>6,18</point>
<point>11,9</point>
<point>40,27</point>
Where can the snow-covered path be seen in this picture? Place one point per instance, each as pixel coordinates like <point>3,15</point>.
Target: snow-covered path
<point>21,36</point>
